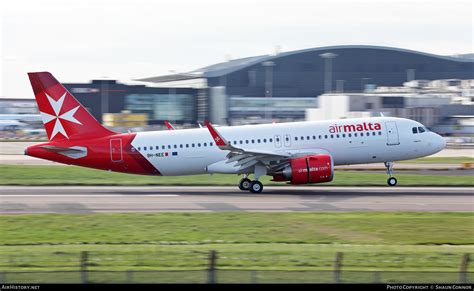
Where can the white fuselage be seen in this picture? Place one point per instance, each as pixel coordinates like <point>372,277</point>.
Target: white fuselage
<point>348,141</point>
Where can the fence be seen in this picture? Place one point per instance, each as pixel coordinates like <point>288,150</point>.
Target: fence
<point>213,267</point>
<point>232,276</point>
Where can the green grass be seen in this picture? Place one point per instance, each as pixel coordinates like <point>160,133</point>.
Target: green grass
<point>70,175</point>
<point>198,228</point>
<point>440,160</point>
<point>261,241</point>
<point>262,247</point>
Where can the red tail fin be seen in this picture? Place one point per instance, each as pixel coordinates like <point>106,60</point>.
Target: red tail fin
<point>63,116</point>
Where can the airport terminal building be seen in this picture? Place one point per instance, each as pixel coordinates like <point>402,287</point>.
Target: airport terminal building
<point>238,91</point>
<point>278,87</point>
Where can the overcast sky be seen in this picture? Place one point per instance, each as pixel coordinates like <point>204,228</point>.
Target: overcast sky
<point>79,40</point>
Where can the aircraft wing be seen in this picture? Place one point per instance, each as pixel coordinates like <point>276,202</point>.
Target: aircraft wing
<point>244,158</point>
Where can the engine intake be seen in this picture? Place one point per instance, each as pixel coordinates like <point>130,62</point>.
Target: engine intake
<point>308,169</point>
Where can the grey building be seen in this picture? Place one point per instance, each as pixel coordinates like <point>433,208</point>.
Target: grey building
<point>309,73</point>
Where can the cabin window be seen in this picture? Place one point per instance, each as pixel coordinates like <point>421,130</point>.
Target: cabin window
<point>414,130</point>
<point>210,144</point>
<point>253,141</point>
<point>349,135</point>
<point>373,133</point>
<point>332,135</point>
<point>144,148</point>
<point>271,139</point>
<point>139,148</point>
<point>264,140</point>
<point>307,138</point>
<point>246,141</point>
<point>181,146</point>
<point>355,134</point>
<point>192,145</point>
<point>325,136</point>
<point>302,138</point>
<point>258,140</point>
<point>380,133</point>
<point>199,144</point>
<point>205,144</point>
<point>337,135</point>
<point>296,138</point>
<point>314,137</point>
<point>240,142</point>
<point>187,145</point>
<point>343,135</point>
<point>320,137</point>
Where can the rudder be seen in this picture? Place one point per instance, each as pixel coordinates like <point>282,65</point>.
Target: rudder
<point>64,118</point>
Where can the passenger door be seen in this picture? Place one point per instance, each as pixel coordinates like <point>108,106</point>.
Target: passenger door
<point>392,133</point>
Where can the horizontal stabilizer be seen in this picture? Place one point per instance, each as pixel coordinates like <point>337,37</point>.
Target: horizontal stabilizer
<point>72,152</point>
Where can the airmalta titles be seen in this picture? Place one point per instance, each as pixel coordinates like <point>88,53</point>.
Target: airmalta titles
<point>354,127</point>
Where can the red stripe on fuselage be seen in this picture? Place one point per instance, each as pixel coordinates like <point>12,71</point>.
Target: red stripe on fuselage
<point>99,155</point>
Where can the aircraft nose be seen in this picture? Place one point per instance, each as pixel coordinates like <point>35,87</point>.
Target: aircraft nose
<point>439,143</point>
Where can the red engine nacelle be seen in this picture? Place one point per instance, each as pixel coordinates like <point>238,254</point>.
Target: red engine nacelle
<point>309,169</point>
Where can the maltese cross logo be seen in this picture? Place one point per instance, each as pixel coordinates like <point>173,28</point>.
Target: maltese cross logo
<point>58,119</point>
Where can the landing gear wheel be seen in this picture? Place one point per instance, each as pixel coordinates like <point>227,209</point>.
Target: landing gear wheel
<point>256,187</point>
<point>244,184</point>
<point>392,181</point>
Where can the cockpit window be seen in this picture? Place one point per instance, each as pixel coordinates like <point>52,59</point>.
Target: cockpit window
<point>414,130</point>
<point>421,129</point>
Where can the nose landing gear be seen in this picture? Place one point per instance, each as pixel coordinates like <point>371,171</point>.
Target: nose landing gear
<point>391,181</point>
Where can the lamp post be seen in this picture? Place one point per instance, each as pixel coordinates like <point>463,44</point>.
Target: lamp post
<point>328,70</point>
<point>268,87</point>
<point>104,92</point>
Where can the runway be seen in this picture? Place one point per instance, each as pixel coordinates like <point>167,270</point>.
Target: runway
<point>78,199</point>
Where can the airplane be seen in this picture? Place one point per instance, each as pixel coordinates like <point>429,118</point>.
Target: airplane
<point>293,152</point>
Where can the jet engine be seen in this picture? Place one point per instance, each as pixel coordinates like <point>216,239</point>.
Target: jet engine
<point>308,169</point>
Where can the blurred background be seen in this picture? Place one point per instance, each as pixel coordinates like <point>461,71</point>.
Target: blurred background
<point>136,64</point>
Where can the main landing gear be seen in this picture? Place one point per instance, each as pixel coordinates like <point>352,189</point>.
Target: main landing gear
<point>244,184</point>
<point>391,181</point>
<point>254,186</point>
